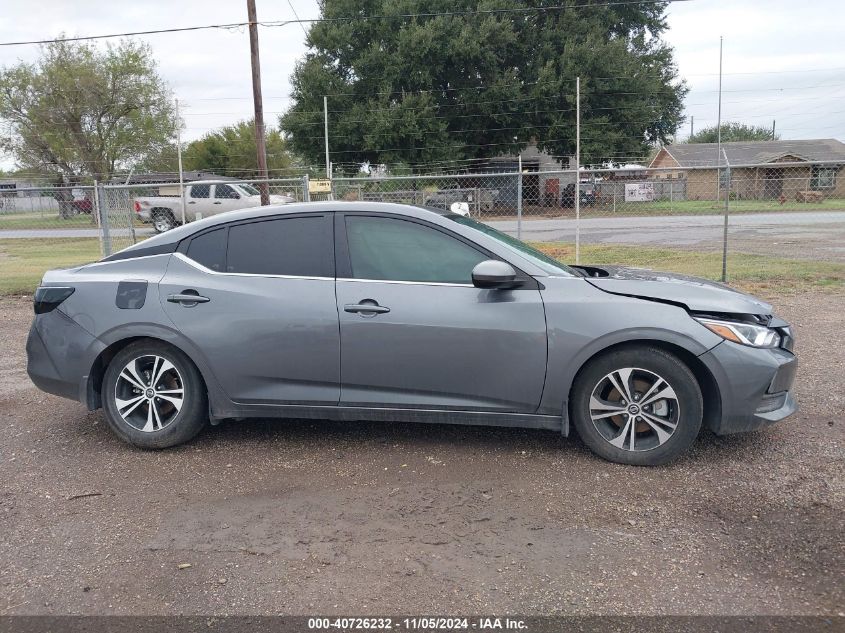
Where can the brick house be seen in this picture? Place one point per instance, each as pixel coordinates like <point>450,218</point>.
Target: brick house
<point>755,174</point>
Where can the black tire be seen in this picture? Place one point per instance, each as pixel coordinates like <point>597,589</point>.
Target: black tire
<point>163,220</point>
<point>183,424</point>
<point>647,361</point>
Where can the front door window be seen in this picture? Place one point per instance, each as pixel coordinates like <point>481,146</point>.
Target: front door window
<point>388,249</point>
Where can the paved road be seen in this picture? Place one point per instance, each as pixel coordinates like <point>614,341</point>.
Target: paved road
<point>679,230</point>
<point>667,230</point>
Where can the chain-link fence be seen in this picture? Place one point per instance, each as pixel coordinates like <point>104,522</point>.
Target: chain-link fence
<point>613,192</point>
<point>134,211</point>
<point>757,223</point>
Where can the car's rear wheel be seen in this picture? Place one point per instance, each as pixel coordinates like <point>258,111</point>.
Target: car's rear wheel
<point>637,405</point>
<point>154,396</point>
<point>163,220</point>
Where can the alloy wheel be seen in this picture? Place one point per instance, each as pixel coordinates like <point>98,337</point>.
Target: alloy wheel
<point>162,223</point>
<point>634,409</point>
<point>149,393</point>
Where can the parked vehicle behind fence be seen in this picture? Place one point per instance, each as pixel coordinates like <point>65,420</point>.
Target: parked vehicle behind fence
<point>202,199</point>
<point>479,200</point>
<point>567,196</point>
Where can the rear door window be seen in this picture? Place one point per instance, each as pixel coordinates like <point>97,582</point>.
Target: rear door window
<point>299,247</point>
<point>200,191</point>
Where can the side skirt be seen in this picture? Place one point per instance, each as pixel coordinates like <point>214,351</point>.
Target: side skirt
<point>379,414</point>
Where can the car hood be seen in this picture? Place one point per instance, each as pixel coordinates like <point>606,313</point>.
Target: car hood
<point>699,295</point>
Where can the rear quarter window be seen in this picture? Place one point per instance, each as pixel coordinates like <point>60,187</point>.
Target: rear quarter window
<point>209,249</point>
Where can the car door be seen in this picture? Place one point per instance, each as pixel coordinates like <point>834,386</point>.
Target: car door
<point>415,332</point>
<point>198,201</point>
<point>225,198</point>
<point>266,318</point>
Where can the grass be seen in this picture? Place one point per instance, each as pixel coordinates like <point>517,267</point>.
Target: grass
<point>698,207</point>
<point>754,273</point>
<point>24,261</point>
<point>664,207</point>
<point>32,221</point>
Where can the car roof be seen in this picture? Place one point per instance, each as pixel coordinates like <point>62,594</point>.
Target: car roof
<point>168,242</point>
<point>161,241</point>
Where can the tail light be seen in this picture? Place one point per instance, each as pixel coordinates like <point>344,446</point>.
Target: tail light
<point>48,298</point>
<point>137,207</point>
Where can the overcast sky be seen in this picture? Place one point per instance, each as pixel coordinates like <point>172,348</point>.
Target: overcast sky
<point>783,60</point>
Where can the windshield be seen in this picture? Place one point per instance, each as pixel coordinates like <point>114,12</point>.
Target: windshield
<point>249,189</point>
<point>538,258</point>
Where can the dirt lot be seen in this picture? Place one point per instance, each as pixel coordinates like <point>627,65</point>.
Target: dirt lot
<point>321,517</point>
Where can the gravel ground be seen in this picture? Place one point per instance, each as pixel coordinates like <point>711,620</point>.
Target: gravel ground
<point>320,517</point>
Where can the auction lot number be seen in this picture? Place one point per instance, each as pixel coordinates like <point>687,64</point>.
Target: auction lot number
<point>411,624</point>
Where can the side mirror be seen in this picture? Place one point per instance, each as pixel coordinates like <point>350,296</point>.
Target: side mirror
<point>493,273</point>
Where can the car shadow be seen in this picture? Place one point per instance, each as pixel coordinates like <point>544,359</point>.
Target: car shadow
<point>308,436</point>
<point>299,431</point>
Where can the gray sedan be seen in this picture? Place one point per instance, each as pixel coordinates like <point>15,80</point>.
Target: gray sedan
<point>371,311</point>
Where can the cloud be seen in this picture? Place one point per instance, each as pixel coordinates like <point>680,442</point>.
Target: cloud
<point>781,62</point>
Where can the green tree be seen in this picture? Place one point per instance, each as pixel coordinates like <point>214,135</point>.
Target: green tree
<point>733,132</point>
<point>81,112</point>
<point>461,87</point>
<point>230,151</point>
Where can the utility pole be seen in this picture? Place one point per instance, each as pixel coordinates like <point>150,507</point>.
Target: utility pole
<point>719,174</point>
<point>774,138</point>
<point>519,200</point>
<point>577,170</point>
<point>691,126</point>
<point>326,130</point>
<point>258,102</point>
<point>179,158</point>
<point>719,116</point>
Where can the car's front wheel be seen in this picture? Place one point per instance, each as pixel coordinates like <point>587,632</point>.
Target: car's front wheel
<point>154,396</point>
<point>637,405</point>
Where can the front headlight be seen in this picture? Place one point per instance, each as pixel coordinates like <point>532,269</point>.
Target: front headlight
<point>742,333</point>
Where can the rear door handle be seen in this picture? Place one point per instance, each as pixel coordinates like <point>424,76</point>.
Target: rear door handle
<point>187,299</point>
<point>218,202</point>
<point>366,309</point>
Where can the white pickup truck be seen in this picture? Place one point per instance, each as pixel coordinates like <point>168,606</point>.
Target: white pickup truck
<point>202,199</point>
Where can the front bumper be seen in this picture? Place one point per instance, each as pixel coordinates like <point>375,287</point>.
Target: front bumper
<point>60,354</point>
<point>755,386</point>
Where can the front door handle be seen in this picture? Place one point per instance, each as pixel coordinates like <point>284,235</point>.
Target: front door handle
<point>187,299</point>
<point>367,307</point>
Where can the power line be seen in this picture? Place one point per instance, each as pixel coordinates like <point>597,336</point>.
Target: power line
<point>231,25</point>
<point>357,18</point>
<point>343,94</point>
<point>296,15</point>
<point>439,106</point>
